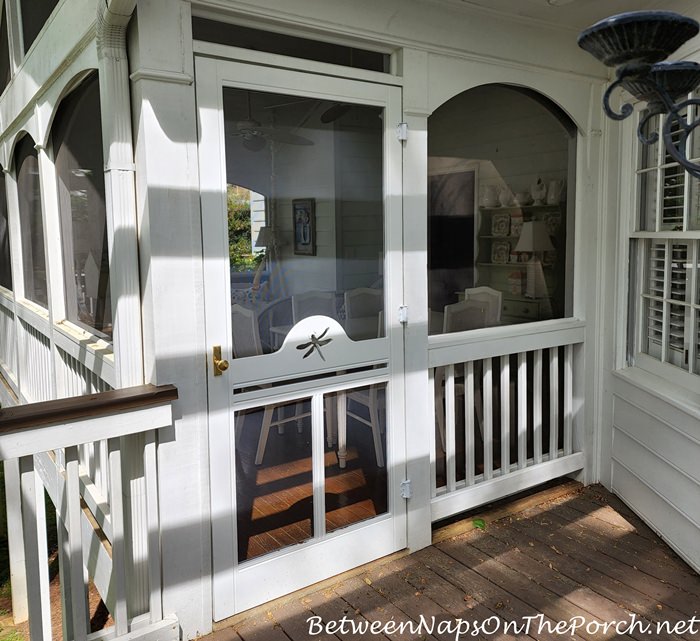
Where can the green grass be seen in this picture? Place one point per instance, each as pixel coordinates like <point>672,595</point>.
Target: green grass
<point>10,634</point>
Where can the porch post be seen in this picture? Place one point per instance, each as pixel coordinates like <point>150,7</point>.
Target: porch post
<point>113,17</point>
<point>170,250</point>
<point>420,426</point>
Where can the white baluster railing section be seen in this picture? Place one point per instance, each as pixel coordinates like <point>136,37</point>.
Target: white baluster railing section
<point>504,412</point>
<point>46,438</point>
<point>8,340</point>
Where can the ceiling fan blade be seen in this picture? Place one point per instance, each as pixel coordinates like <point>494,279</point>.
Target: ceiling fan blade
<point>289,103</point>
<point>332,114</point>
<point>254,143</point>
<point>286,137</point>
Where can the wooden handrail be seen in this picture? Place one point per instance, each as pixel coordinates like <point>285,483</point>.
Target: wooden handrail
<point>26,417</point>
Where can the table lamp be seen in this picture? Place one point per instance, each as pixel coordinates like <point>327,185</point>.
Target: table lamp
<point>534,239</point>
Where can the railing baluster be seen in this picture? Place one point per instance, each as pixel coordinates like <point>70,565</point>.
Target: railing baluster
<point>537,406</point>
<point>568,399</point>
<point>437,433</point>
<point>553,403</point>
<point>35,550</point>
<point>522,410</point>
<point>150,468</point>
<point>71,517</point>
<point>118,542</point>
<point>15,539</point>
<point>450,440</point>
<point>64,573</point>
<point>487,393</point>
<point>505,414</point>
<point>469,421</point>
<point>318,471</point>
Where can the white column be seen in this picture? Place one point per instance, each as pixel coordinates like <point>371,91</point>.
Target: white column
<point>120,197</point>
<point>420,423</point>
<point>170,249</point>
<point>122,230</point>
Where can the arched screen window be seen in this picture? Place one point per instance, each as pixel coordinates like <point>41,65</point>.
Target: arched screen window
<point>31,225</point>
<point>35,13</point>
<point>5,265</point>
<point>500,232</point>
<point>77,146</point>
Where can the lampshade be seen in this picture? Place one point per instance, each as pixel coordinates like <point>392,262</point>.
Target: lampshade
<point>266,237</point>
<point>534,237</point>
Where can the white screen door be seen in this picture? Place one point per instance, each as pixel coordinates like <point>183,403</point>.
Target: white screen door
<point>302,235</point>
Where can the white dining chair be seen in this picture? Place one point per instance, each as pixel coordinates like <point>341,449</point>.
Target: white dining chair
<point>464,315</point>
<point>314,303</point>
<point>362,308</point>
<point>458,317</point>
<point>493,299</point>
<point>246,342</point>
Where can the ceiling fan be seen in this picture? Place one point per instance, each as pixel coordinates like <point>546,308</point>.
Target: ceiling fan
<point>255,135</point>
<point>334,112</point>
<point>330,114</point>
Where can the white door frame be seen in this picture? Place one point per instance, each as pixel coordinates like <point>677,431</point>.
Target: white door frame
<point>237,588</point>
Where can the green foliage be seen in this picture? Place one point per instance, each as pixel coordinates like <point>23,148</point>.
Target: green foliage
<point>10,634</point>
<point>239,233</point>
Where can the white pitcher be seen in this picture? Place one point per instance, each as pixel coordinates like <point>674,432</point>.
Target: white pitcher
<point>490,197</point>
<point>555,192</point>
<point>506,197</point>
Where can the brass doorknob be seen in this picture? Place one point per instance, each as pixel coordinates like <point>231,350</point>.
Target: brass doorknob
<point>220,364</point>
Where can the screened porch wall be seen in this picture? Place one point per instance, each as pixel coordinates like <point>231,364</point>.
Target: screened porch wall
<point>168,197</point>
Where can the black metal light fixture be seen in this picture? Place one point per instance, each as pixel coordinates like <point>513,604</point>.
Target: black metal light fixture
<point>636,43</point>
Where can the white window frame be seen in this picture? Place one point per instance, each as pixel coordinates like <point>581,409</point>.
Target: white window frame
<point>687,373</point>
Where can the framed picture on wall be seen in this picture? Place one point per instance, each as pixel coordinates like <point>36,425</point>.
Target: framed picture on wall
<point>304,212</point>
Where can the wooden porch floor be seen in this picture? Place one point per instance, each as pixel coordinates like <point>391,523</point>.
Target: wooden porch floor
<point>566,552</point>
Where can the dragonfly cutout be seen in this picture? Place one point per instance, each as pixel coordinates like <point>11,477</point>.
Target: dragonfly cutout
<point>316,343</point>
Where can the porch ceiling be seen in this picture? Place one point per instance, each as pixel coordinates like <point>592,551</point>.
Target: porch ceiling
<point>576,14</point>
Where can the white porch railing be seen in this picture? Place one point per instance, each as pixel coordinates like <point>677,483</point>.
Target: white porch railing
<point>504,406</point>
<point>40,361</point>
<point>8,352</point>
<point>41,444</point>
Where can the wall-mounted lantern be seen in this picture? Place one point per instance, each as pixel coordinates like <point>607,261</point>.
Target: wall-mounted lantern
<point>636,43</point>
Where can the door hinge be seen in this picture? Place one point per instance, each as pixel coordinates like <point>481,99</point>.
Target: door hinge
<point>406,489</point>
<point>402,131</point>
<point>403,314</point>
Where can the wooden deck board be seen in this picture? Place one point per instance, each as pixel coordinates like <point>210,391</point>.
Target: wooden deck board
<point>391,580</point>
<point>648,556</point>
<point>374,606</point>
<point>327,605</point>
<point>501,603</point>
<point>533,595</point>
<point>547,574</point>
<point>628,582</point>
<point>626,599</point>
<point>576,553</point>
<point>623,565</point>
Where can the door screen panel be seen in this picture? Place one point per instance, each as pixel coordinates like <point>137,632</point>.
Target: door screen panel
<point>305,216</point>
<point>274,483</point>
<point>355,478</point>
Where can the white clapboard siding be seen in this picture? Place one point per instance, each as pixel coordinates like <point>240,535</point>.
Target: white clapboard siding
<point>515,421</point>
<point>655,453</point>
